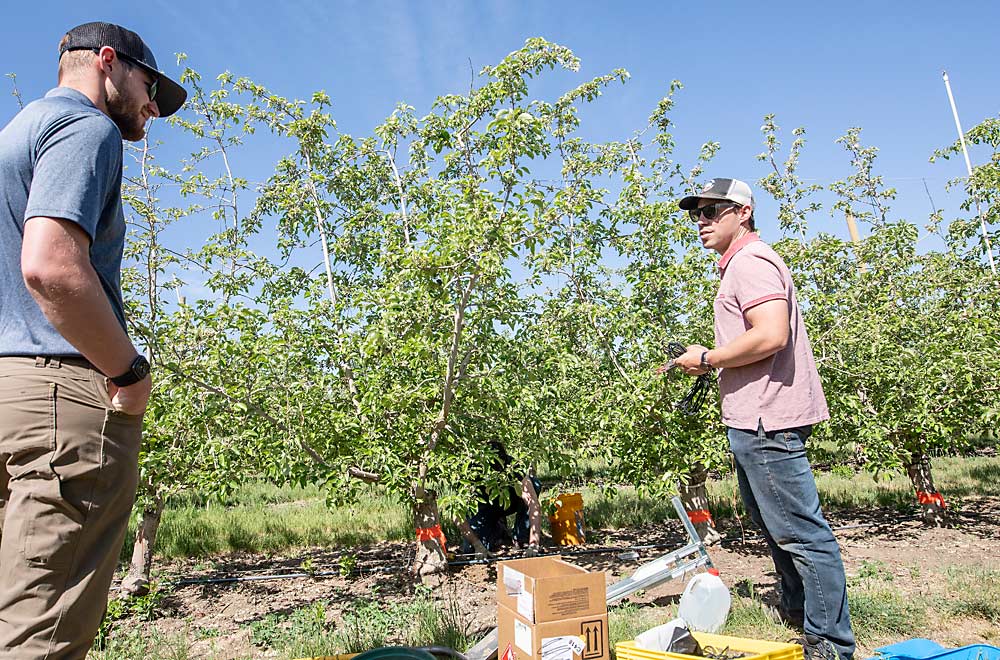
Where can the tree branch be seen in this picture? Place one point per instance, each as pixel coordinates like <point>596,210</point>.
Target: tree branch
<point>252,407</point>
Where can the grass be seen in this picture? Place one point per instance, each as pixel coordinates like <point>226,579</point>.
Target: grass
<point>882,612</point>
<point>627,620</point>
<point>622,508</point>
<point>973,593</point>
<point>143,643</point>
<point>955,477</point>
<point>752,619</point>
<point>302,633</point>
<point>262,518</point>
<point>309,631</point>
<point>879,613</point>
<point>368,625</point>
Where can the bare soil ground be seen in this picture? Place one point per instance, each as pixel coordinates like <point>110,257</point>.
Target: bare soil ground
<point>918,558</point>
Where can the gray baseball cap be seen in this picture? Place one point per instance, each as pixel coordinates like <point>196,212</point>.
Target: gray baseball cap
<point>732,190</point>
<point>127,44</point>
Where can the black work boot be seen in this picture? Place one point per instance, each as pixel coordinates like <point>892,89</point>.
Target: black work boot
<point>816,648</point>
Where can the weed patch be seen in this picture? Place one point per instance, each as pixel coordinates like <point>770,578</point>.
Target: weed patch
<point>627,620</point>
<point>367,624</point>
<point>141,643</point>
<point>973,593</point>
<point>879,612</point>
<point>751,618</point>
<point>441,624</point>
<point>139,608</point>
<point>303,633</point>
<point>874,571</point>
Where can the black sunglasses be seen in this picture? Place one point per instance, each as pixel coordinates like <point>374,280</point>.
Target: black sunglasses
<point>150,87</point>
<point>712,211</point>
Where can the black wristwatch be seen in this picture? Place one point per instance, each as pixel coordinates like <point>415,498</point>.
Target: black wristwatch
<point>138,370</point>
<point>704,360</point>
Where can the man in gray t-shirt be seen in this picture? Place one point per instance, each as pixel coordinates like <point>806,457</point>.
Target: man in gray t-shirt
<point>73,387</point>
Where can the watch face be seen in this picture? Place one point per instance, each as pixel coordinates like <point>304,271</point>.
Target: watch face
<point>140,367</point>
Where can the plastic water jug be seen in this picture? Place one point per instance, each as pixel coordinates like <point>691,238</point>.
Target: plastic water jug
<point>705,602</point>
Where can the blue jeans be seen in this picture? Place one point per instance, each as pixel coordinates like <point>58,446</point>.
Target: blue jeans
<point>779,492</point>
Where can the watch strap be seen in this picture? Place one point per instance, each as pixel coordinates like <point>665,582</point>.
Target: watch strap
<point>138,370</point>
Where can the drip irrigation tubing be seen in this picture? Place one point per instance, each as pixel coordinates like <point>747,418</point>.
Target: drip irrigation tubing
<point>402,566</point>
<point>571,553</point>
<point>398,567</point>
<point>584,551</point>
<point>252,578</point>
<point>358,560</point>
<point>756,534</point>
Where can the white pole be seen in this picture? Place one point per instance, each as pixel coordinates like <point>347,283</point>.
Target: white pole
<point>968,166</point>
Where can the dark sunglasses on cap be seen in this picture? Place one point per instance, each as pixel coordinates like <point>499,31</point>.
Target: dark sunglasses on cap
<point>712,211</point>
<point>150,87</point>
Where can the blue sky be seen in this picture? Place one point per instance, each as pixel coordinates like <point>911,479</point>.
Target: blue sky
<point>825,66</point>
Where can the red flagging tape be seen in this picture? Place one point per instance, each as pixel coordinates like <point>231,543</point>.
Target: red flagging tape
<point>931,498</point>
<point>701,516</point>
<point>429,533</point>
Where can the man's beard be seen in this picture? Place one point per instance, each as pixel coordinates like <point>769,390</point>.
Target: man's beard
<point>122,108</point>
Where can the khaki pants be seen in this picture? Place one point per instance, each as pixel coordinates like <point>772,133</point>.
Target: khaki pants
<point>68,474</point>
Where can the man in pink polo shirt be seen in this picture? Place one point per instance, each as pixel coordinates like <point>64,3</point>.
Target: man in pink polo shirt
<point>771,397</point>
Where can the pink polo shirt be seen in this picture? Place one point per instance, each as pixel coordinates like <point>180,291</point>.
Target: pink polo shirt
<point>783,391</point>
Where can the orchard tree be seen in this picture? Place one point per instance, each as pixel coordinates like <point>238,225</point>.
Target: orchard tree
<point>222,355</point>
<point>898,332</point>
<point>426,229</point>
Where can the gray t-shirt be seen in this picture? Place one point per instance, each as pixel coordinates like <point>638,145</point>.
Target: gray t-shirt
<point>60,157</point>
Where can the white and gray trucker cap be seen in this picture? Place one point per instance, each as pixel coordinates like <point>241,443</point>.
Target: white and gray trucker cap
<point>732,190</point>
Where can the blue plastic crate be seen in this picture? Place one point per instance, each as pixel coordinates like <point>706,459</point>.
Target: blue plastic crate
<point>925,649</point>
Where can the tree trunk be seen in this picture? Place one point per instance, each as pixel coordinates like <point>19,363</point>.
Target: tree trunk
<point>694,495</point>
<point>932,506</point>
<point>136,583</point>
<point>431,556</point>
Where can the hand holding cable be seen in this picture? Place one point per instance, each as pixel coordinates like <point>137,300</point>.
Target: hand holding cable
<point>690,360</point>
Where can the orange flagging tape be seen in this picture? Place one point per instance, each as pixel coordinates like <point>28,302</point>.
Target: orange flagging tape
<point>931,498</point>
<point>428,533</point>
<point>701,516</point>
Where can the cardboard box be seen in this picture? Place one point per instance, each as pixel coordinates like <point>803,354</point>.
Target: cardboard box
<point>548,589</point>
<point>550,610</point>
<point>582,638</point>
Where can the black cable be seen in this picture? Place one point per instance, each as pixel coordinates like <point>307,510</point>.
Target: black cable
<point>443,652</point>
<point>724,654</point>
<point>695,398</point>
